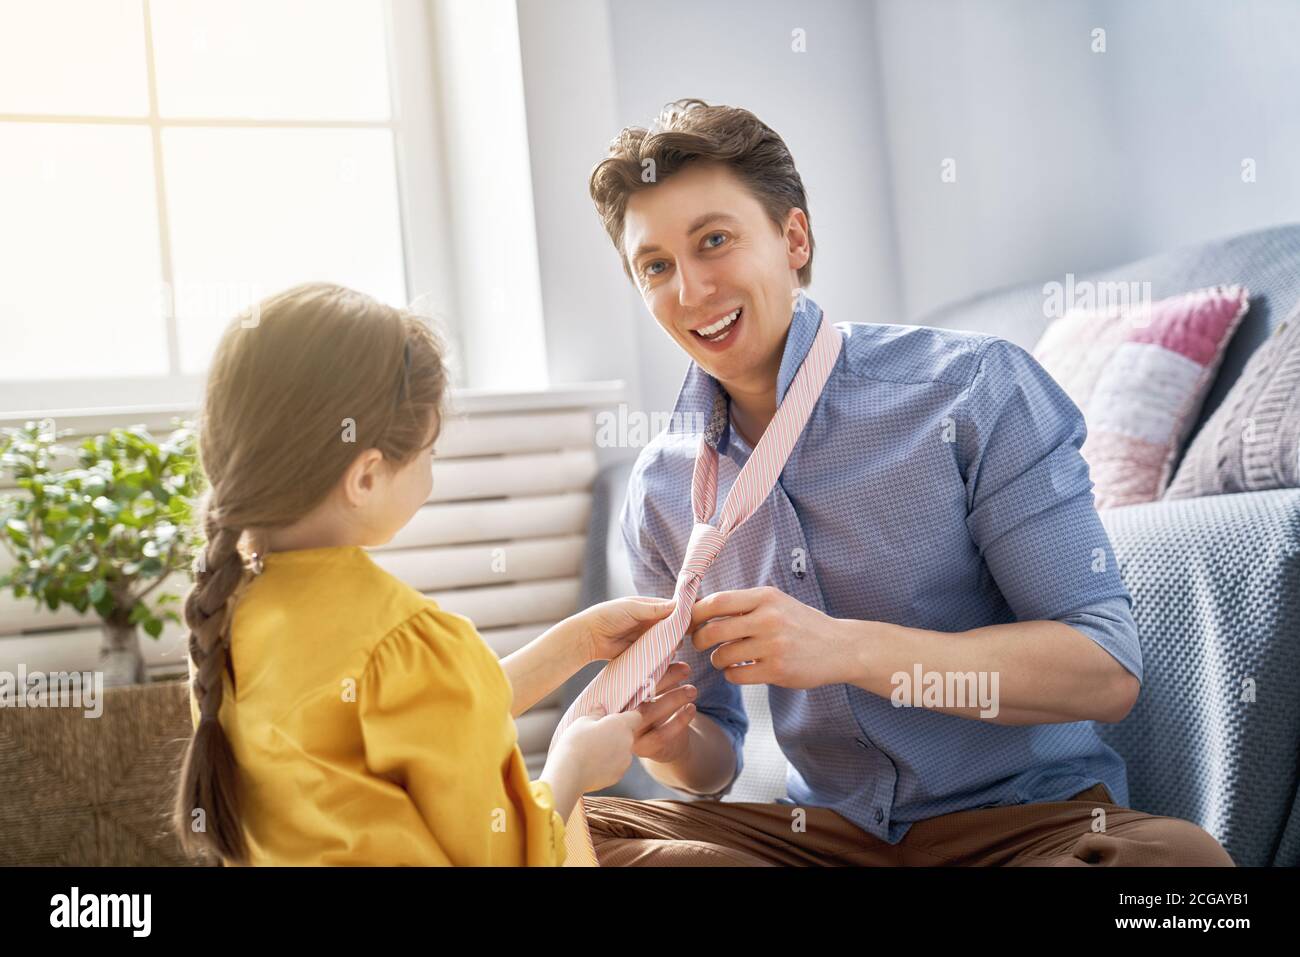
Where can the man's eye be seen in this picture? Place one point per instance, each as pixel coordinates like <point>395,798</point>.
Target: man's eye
<point>650,267</point>
<point>721,236</point>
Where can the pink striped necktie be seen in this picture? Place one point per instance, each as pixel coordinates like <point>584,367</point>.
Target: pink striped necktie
<point>632,677</point>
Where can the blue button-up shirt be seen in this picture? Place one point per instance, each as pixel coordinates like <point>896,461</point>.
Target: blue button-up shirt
<point>938,485</point>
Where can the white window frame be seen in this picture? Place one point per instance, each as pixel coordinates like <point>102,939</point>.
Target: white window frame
<point>422,204</point>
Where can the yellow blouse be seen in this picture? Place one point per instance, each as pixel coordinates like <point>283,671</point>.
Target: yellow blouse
<point>371,727</point>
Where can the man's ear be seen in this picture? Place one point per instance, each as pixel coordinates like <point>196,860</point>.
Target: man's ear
<point>361,477</point>
<point>798,251</point>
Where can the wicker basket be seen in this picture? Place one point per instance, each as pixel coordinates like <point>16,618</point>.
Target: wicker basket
<point>98,791</point>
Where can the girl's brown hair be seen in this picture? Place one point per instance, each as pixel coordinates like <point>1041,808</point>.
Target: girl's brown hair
<point>691,131</point>
<point>288,380</point>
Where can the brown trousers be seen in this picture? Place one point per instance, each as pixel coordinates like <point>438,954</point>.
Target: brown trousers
<point>1053,834</point>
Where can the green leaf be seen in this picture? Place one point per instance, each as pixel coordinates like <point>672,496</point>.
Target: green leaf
<point>18,532</point>
<point>105,506</point>
<point>154,627</point>
<point>106,607</point>
<point>124,512</point>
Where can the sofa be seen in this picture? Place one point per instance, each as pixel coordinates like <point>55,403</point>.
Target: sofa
<point>1214,737</point>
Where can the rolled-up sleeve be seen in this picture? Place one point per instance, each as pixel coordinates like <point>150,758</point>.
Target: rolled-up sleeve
<point>717,698</point>
<point>1110,624</point>
<point>1030,508</point>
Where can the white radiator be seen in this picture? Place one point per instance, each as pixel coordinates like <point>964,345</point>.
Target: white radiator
<point>500,540</point>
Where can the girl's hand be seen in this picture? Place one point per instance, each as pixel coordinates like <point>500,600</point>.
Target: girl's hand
<point>606,630</point>
<point>600,747</point>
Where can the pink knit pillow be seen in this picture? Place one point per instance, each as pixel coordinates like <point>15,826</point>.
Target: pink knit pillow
<point>1139,376</point>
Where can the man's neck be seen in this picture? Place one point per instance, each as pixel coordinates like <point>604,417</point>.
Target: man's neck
<point>751,413</point>
<point>753,400</point>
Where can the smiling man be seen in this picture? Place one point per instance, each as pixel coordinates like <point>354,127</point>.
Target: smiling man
<point>935,518</point>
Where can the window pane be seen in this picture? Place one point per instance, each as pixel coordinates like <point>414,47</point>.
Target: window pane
<point>84,57</point>
<point>255,210</point>
<point>271,59</point>
<point>79,272</point>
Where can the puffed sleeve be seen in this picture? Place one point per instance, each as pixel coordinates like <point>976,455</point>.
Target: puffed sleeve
<point>434,706</point>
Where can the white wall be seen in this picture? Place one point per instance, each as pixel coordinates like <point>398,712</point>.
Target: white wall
<point>822,102</point>
<point>1199,86</point>
<point>572,114</point>
<point>1069,160</point>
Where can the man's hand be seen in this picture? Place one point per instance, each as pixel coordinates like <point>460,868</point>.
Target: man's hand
<point>667,715</point>
<point>789,644</point>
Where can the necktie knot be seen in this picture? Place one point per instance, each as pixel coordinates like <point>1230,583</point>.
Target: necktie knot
<point>702,548</point>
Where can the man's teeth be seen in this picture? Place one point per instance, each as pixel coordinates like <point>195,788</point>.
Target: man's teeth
<point>709,332</point>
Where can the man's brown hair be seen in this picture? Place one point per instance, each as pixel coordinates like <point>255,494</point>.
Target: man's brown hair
<point>689,131</point>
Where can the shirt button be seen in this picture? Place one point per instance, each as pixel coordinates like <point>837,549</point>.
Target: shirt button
<point>880,815</point>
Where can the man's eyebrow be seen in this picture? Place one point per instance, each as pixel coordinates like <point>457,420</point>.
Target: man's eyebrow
<point>702,221</point>
<point>698,223</point>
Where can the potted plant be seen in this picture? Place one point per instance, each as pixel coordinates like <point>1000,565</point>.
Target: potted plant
<point>103,535</point>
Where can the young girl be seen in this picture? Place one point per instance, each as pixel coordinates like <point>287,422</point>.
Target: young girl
<point>340,716</point>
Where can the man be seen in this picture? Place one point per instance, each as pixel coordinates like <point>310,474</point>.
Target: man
<point>935,518</point>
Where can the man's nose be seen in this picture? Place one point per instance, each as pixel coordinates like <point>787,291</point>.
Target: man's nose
<point>695,285</point>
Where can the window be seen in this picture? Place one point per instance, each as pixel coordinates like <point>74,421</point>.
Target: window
<point>164,163</point>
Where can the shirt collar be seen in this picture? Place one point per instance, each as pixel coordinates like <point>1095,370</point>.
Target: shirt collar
<point>702,400</point>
